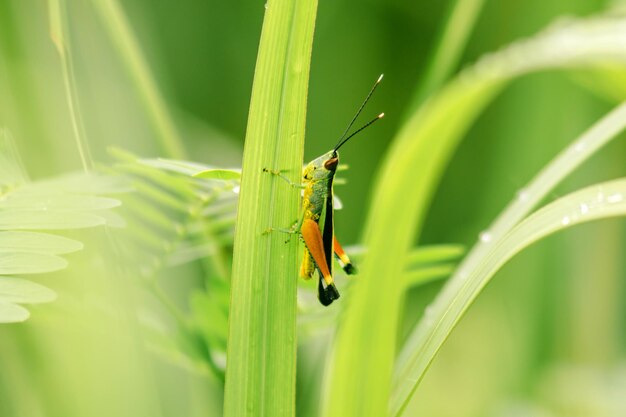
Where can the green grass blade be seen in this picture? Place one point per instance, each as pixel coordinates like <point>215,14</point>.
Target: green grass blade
<point>592,203</point>
<point>452,40</point>
<point>115,22</point>
<point>361,372</point>
<point>425,255</point>
<point>421,347</point>
<point>261,374</point>
<point>427,275</point>
<point>59,34</point>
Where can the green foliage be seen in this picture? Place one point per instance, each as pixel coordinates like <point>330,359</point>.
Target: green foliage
<point>508,236</point>
<point>174,220</point>
<point>70,202</point>
<point>114,21</point>
<point>415,163</point>
<point>232,333</point>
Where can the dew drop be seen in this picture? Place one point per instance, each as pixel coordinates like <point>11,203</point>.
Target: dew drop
<point>579,147</point>
<point>584,208</point>
<point>265,6</point>
<point>485,237</point>
<point>236,189</point>
<point>219,359</point>
<point>523,195</point>
<point>565,221</point>
<point>615,198</point>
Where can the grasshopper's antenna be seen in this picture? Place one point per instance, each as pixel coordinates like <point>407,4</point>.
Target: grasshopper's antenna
<point>340,144</point>
<point>358,112</point>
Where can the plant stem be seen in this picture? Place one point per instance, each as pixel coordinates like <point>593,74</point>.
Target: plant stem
<point>60,37</point>
<point>115,22</point>
<point>454,36</point>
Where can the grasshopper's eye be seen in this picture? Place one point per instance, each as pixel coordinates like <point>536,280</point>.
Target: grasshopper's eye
<point>331,164</point>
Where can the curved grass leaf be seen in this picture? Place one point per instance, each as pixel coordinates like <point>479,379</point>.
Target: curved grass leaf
<point>430,254</point>
<point>592,203</point>
<point>415,163</point>
<point>453,37</point>
<point>413,360</point>
<point>427,274</point>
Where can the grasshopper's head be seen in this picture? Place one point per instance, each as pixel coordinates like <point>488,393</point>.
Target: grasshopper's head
<point>322,167</point>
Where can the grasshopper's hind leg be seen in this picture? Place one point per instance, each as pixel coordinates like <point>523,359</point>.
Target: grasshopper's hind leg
<point>327,292</point>
<point>344,260</point>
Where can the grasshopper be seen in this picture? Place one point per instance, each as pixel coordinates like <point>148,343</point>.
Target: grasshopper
<point>315,225</point>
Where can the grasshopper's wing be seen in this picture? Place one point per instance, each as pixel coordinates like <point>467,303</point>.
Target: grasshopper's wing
<point>328,231</point>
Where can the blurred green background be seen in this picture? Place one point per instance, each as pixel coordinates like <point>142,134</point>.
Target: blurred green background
<point>546,338</point>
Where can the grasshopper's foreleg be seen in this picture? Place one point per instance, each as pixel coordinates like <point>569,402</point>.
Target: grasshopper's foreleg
<point>293,230</point>
<point>290,231</point>
<point>284,177</point>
